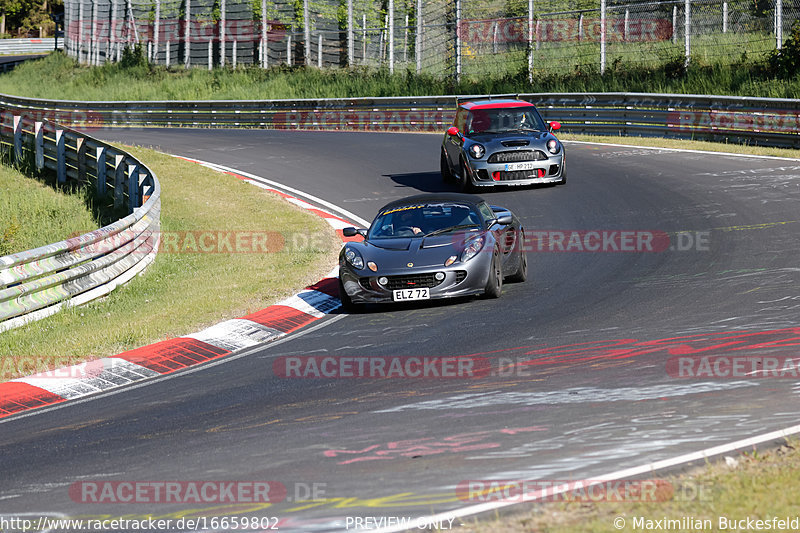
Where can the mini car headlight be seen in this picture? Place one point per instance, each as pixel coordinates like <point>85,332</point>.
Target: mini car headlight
<point>354,258</point>
<point>552,146</point>
<point>477,151</point>
<point>474,246</point>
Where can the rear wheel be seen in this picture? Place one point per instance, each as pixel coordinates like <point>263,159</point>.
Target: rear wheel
<point>444,166</point>
<point>494,285</point>
<point>522,270</point>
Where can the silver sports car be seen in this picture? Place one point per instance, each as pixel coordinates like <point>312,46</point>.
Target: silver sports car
<point>432,246</point>
<point>501,142</point>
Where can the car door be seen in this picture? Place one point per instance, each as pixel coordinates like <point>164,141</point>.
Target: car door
<point>453,143</point>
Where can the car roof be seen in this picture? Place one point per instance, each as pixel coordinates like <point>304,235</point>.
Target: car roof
<point>469,199</point>
<point>495,104</point>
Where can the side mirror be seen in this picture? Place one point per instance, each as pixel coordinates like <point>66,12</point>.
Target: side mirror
<point>555,126</point>
<point>452,130</point>
<point>504,219</point>
<point>350,232</point>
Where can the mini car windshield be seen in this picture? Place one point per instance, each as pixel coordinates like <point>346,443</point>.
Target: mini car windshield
<point>504,119</point>
<point>424,220</point>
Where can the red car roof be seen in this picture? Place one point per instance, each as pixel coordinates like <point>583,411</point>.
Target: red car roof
<point>495,104</point>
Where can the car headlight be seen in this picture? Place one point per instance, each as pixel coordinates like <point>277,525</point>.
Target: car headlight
<point>354,258</point>
<point>553,146</point>
<point>477,151</point>
<point>474,246</point>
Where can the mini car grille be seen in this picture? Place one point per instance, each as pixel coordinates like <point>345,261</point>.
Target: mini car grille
<point>516,156</point>
<point>460,275</point>
<point>365,283</point>
<point>412,281</point>
<point>515,175</point>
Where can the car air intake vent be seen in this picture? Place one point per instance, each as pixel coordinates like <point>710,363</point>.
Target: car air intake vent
<point>412,281</point>
<point>518,155</point>
<point>518,142</point>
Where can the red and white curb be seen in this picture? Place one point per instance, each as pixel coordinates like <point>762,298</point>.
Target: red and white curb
<point>217,341</point>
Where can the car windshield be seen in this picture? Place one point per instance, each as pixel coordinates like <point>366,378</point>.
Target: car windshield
<point>421,220</point>
<point>504,119</point>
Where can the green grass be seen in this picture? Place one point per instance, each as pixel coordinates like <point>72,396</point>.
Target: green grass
<point>33,214</point>
<point>484,74</point>
<point>183,292</point>
<point>761,485</point>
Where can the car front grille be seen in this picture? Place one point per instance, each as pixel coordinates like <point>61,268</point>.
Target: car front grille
<point>412,281</point>
<point>518,175</point>
<point>516,156</point>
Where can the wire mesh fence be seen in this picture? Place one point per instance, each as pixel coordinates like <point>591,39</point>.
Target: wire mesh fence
<point>460,38</point>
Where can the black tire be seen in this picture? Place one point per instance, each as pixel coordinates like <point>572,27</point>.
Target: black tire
<point>444,167</point>
<point>494,285</point>
<point>347,303</point>
<point>464,183</point>
<point>522,270</point>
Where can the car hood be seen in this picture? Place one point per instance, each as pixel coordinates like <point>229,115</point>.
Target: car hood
<point>512,140</point>
<point>391,254</point>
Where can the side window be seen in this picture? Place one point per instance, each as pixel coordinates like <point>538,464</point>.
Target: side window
<point>461,119</point>
<point>486,211</point>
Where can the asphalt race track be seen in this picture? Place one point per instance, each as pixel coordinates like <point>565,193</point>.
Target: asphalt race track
<point>582,356</point>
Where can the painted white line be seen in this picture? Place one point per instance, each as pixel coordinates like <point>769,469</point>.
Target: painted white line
<point>335,208</point>
<point>613,476</point>
<point>687,150</point>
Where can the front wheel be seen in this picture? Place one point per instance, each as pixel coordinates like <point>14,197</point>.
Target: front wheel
<point>444,167</point>
<point>494,285</point>
<point>464,183</point>
<point>347,303</point>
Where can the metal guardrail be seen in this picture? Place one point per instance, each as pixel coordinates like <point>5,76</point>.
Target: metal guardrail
<point>37,283</point>
<point>764,121</point>
<point>29,45</point>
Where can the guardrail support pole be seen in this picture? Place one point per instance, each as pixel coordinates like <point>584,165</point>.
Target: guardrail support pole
<point>133,187</point>
<point>17,138</point>
<point>80,143</point>
<point>38,132</point>
<point>100,170</point>
<point>119,179</point>
<point>61,157</point>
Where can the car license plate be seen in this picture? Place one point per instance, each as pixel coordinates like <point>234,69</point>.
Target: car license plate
<point>525,165</point>
<point>404,295</point>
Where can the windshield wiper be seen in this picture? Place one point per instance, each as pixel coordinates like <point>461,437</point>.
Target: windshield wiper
<point>451,228</point>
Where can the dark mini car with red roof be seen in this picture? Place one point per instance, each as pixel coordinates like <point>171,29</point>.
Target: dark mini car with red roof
<point>501,142</point>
